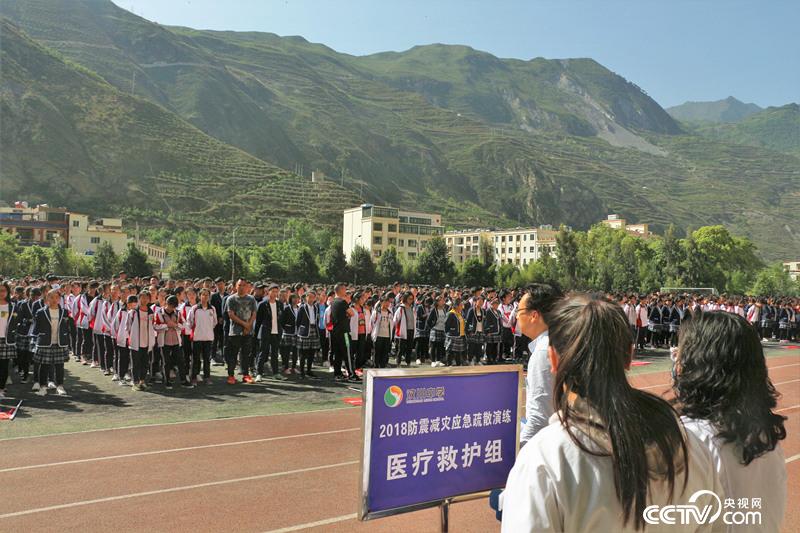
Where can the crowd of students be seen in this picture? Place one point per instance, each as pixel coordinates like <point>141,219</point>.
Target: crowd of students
<point>146,331</point>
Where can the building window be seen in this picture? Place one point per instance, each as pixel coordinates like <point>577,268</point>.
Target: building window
<point>393,227</point>
<point>412,255</point>
<point>412,243</point>
<point>377,253</point>
<point>377,239</point>
<point>503,238</point>
<point>402,242</point>
<point>392,241</point>
<point>95,240</point>
<point>377,226</point>
<point>76,223</point>
<point>511,250</point>
<point>517,237</point>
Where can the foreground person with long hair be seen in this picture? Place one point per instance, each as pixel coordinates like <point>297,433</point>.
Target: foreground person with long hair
<point>726,399</point>
<point>610,450</point>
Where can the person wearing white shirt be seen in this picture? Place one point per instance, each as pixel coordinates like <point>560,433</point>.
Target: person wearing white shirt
<point>727,399</point>
<point>610,451</point>
<point>534,306</point>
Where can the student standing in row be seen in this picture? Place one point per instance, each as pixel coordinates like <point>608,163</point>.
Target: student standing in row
<point>51,330</point>
<point>287,323</point>
<point>269,333</point>
<point>203,321</point>
<point>8,333</point>
<point>455,341</point>
<point>141,340</point>
<point>436,324</point>
<point>382,327</point>
<point>491,329</point>
<point>307,334</point>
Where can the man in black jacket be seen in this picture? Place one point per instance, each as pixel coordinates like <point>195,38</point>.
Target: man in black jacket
<point>269,333</point>
<point>340,319</point>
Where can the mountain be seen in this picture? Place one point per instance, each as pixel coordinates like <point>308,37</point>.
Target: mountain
<point>777,128</point>
<point>728,110</point>
<point>70,138</point>
<point>483,140</point>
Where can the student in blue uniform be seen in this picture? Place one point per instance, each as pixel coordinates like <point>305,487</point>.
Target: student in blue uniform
<point>51,331</point>
<point>8,334</point>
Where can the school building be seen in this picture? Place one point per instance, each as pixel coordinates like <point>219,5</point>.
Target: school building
<point>517,246</point>
<point>617,222</point>
<point>793,268</point>
<point>35,226</point>
<point>377,228</point>
<point>86,235</point>
<point>42,225</point>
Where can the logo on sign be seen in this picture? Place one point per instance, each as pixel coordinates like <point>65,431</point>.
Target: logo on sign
<point>393,396</point>
<point>706,514</point>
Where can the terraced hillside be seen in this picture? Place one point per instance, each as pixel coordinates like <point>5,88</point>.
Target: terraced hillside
<point>486,141</point>
<point>70,138</point>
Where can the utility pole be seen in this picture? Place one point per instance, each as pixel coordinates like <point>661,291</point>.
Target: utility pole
<point>233,256</point>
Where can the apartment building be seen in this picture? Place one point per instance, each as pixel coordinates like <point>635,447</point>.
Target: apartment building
<point>377,228</point>
<point>517,246</point>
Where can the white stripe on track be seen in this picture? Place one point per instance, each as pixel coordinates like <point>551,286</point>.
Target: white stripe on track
<point>670,384</point>
<point>173,489</point>
<point>160,424</point>
<point>787,408</point>
<point>793,458</point>
<point>175,450</point>
<point>318,523</point>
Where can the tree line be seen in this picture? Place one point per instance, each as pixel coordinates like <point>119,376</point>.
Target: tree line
<point>602,258</point>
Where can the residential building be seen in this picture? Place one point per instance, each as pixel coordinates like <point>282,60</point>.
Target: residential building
<point>35,226</point>
<point>793,268</point>
<point>86,236</point>
<point>518,246</point>
<point>155,254</point>
<point>465,244</point>
<point>617,222</point>
<point>377,228</point>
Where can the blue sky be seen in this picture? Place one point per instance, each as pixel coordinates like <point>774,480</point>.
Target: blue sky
<point>676,50</point>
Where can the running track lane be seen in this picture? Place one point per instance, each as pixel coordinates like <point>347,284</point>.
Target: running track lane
<point>287,471</point>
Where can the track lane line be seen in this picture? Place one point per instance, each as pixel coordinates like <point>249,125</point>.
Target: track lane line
<point>670,384</point>
<point>183,422</point>
<point>175,450</point>
<point>318,523</point>
<point>175,489</point>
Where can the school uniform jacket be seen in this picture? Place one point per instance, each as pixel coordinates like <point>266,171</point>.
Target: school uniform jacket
<point>491,322</point>
<point>304,322</point>
<point>376,322</point>
<point>451,325</point>
<point>401,327</point>
<point>43,332</point>
<point>471,320</point>
<point>24,317</point>
<point>264,318</point>
<point>421,317</point>
<point>433,317</point>
<point>160,325</point>
<point>119,328</point>
<point>133,329</point>
<point>202,322</point>
<point>354,323</point>
<point>82,311</point>
<point>11,324</point>
<point>287,320</point>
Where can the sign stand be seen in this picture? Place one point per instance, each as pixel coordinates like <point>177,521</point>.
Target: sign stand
<point>445,515</point>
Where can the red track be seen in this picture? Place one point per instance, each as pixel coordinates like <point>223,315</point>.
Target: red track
<point>285,472</point>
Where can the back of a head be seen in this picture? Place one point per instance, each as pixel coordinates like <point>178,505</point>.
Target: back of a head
<point>593,342</point>
<point>722,377</point>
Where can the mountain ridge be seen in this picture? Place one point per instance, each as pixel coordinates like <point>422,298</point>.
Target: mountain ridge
<point>727,110</point>
<point>480,140</point>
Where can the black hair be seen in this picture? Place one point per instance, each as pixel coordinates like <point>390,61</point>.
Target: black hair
<point>542,298</point>
<point>132,299</point>
<point>722,377</point>
<point>593,341</point>
<point>172,300</point>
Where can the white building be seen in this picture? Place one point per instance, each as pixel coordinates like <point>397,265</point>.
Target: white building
<point>377,228</point>
<point>86,236</point>
<point>793,268</point>
<point>518,246</point>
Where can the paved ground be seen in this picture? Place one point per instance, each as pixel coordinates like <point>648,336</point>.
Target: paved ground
<point>281,472</point>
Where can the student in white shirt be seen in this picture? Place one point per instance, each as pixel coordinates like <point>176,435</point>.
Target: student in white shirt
<point>610,450</point>
<point>202,322</point>
<point>726,398</point>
